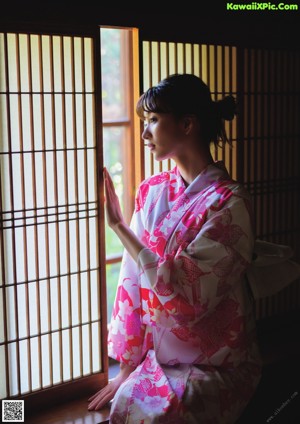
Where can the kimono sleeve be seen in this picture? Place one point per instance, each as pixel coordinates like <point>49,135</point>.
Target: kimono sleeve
<point>193,280</point>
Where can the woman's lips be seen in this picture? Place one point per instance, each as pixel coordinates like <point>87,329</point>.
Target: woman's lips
<point>151,146</point>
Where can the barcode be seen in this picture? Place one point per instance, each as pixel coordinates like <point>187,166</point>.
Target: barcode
<point>13,411</point>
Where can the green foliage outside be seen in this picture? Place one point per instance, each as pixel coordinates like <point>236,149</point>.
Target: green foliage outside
<point>113,105</point>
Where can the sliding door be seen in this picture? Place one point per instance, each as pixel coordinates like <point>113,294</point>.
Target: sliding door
<point>52,281</point>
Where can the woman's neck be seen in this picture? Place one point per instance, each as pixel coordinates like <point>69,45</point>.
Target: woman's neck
<point>191,164</point>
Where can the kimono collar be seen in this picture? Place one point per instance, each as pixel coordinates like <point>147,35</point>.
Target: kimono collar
<point>212,173</point>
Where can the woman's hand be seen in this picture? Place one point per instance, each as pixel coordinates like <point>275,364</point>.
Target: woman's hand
<point>113,209</point>
<point>105,395</point>
<point>116,221</point>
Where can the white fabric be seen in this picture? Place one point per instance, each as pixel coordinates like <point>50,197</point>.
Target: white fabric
<point>272,270</point>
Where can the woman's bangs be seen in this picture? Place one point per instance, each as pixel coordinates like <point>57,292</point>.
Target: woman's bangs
<point>150,101</point>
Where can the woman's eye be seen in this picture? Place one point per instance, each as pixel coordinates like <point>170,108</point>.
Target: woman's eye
<point>150,121</point>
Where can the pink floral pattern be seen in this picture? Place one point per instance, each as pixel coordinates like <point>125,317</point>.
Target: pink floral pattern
<point>182,315</point>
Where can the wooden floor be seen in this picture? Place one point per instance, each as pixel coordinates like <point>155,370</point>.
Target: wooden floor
<point>74,412</point>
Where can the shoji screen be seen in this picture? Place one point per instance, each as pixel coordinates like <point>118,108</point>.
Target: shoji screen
<point>216,65</point>
<point>271,160</point>
<point>51,316</point>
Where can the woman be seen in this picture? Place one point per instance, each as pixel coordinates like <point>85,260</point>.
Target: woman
<point>182,327</point>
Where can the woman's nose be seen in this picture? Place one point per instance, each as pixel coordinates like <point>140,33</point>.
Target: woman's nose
<point>145,134</point>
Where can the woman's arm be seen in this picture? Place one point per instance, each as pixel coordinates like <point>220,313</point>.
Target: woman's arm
<point>116,221</point>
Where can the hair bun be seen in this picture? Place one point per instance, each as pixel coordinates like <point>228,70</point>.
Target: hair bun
<point>226,108</point>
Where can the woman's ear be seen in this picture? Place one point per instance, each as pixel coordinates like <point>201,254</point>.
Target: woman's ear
<point>188,123</point>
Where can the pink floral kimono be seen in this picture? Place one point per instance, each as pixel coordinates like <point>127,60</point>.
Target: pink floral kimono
<point>183,315</point>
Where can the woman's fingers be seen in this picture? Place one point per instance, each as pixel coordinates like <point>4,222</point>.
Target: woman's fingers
<point>104,401</point>
<point>101,398</point>
<point>109,185</point>
<point>112,204</point>
<point>105,395</point>
<point>93,397</point>
<point>107,177</point>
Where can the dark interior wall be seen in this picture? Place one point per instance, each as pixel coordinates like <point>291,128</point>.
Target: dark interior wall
<point>210,22</point>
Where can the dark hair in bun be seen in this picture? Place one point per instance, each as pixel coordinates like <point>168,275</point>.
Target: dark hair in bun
<point>187,94</point>
<point>223,110</point>
<point>226,108</point>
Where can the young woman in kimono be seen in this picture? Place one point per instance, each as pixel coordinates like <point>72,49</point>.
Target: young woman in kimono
<point>182,326</point>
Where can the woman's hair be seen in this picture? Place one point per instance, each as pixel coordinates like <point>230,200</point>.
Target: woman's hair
<point>186,94</point>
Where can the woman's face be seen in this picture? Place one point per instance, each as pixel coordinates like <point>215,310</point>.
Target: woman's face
<point>164,135</point>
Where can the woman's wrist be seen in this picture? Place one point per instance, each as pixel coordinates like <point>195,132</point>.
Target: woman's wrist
<point>128,238</point>
<point>116,227</point>
<point>124,366</point>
